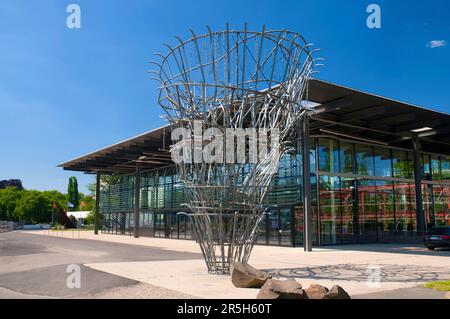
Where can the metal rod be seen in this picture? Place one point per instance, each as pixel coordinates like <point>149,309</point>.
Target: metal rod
<point>97,204</point>
<point>307,210</point>
<point>421,225</point>
<point>137,201</point>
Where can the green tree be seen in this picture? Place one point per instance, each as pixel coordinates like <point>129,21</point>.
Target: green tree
<point>32,207</point>
<point>87,202</point>
<point>56,197</point>
<point>72,193</point>
<point>57,201</point>
<point>9,197</point>
<point>105,180</point>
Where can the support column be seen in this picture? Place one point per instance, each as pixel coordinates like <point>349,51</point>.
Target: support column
<point>307,209</point>
<point>137,201</point>
<point>97,204</point>
<point>420,218</point>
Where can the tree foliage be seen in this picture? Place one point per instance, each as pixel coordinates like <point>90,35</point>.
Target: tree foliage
<point>33,207</point>
<point>30,206</point>
<point>9,197</point>
<point>72,193</point>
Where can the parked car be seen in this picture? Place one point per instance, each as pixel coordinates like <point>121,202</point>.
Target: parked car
<point>437,236</point>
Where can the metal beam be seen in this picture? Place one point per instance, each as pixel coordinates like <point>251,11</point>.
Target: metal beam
<point>307,208</point>
<point>421,227</point>
<point>352,136</point>
<point>97,205</point>
<point>137,201</point>
<point>395,120</point>
<point>421,121</point>
<point>356,115</point>
<point>334,105</point>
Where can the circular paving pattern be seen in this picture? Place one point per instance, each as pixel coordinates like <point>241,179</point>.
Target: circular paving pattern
<point>386,273</point>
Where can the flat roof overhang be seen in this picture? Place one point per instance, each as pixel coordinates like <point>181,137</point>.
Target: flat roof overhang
<point>148,151</point>
<point>342,112</point>
<point>360,115</point>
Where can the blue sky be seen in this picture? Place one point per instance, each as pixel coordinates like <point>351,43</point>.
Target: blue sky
<point>66,92</point>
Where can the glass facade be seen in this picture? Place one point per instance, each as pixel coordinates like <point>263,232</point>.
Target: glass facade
<point>360,193</point>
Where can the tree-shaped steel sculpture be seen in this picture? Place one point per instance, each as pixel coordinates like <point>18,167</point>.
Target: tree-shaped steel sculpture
<point>243,81</point>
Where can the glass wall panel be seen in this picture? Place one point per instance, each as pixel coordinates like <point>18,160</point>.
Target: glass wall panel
<point>445,169</point>
<point>273,228</point>
<point>298,210</point>
<point>426,167</point>
<point>427,203</point>
<point>435,168</point>
<point>346,157</point>
<point>328,155</point>
<point>147,224</point>
<point>172,225</point>
<point>262,231</point>
<point>182,223</point>
<point>276,228</point>
<point>314,197</point>
<point>401,164</point>
<point>440,204</point>
<point>130,223</point>
<point>385,208</point>
<point>348,210</point>
<point>382,157</point>
<point>405,207</point>
<point>160,225</point>
<point>364,160</point>
<point>445,214</point>
<point>330,216</point>
<point>367,211</point>
<point>286,226</point>
<point>299,225</point>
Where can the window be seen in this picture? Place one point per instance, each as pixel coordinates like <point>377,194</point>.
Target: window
<point>435,168</point>
<point>440,205</point>
<point>364,160</point>
<point>328,155</point>
<point>348,202</point>
<point>367,210</point>
<point>346,157</point>
<point>427,204</point>
<point>382,158</point>
<point>330,217</point>
<point>385,207</point>
<point>405,207</point>
<point>401,164</point>
<point>426,168</point>
<point>445,168</point>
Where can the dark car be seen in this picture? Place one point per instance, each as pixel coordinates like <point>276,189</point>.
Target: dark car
<point>437,236</point>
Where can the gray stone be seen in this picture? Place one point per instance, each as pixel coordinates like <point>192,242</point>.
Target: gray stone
<point>337,292</point>
<point>316,291</point>
<point>245,276</point>
<point>281,289</point>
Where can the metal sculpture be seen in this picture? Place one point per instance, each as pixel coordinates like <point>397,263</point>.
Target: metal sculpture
<point>239,80</point>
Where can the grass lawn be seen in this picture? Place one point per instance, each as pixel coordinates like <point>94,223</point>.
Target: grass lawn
<point>439,285</point>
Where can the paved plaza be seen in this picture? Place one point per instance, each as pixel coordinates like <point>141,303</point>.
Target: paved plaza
<point>123,266</point>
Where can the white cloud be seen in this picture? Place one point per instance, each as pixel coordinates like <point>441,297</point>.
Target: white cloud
<point>436,44</point>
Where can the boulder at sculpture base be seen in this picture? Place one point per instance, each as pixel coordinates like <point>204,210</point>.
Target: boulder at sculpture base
<point>245,276</point>
<point>337,292</point>
<point>281,289</point>
<point>316,291</point>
